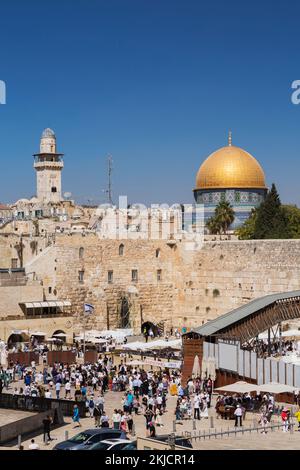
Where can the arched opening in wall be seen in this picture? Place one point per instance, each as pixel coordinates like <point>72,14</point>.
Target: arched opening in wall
<point>150,329</point>
<point>121,250</point>
<point>81,252</point>
<point>124,313</point>
<point>16,340</point>
<point>59,334</point>
<point>157,253</point>
<point>58,339</point>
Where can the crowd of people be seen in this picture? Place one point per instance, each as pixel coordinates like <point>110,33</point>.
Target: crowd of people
<point>276,347</point>
<point>143,393</point>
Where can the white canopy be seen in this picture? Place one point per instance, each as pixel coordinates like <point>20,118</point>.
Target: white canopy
<point>19,332</point>
<point>59,335</point>
<point>159,344</point>
<point>118,335</point>
<point>37,333</point>
<point>238,387</point>
<point>50,303</point>
<point>274,387</point>
<point>98,340</point>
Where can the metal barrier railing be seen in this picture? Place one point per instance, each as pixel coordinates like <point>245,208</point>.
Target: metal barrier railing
<point>39,404</point>
<point>210,433</point>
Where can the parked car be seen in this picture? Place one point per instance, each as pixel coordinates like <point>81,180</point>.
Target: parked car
<point>113,444</point>
<point>87,438</point>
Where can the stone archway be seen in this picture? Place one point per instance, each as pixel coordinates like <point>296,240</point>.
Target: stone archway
<point>147,326</point>
<point>16,338</point>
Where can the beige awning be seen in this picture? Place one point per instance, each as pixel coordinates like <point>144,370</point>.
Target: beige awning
<point>238,387</point>
<point>274,387</point>
<point>50,303</point>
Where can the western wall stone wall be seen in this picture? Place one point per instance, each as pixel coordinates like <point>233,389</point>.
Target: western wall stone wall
<point>195,286</point>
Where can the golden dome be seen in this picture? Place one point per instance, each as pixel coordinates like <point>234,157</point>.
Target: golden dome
<point>230,167</point>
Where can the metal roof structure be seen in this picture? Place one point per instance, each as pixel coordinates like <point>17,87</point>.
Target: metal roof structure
<point>50,303</point>
<point>242,313</point>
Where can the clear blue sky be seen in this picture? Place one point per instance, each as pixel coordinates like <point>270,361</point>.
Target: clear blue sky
<point>156,83</point>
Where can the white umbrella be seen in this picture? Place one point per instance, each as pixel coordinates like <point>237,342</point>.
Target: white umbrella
<point>98,340</point>
<point>211,366</point>
<point>196,367</point>
<point>38,333</point>
<point>59,335</point>
<point>204,369</point>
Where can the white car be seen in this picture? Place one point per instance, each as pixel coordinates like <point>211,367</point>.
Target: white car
<point>114,444</point>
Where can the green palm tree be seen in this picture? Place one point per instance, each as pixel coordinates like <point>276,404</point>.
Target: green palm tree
<point>213,226</point>
<point>224,214</point>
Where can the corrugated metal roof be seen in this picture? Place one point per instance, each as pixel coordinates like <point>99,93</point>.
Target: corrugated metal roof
<point>244,311</point>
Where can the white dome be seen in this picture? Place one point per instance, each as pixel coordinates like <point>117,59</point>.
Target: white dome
<point>48,133</point>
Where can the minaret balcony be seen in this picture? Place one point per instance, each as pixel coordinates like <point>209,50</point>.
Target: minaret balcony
<point>50,165</point>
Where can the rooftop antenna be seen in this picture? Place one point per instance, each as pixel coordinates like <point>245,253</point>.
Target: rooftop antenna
<point>230,138</point>
<point>108,191</point>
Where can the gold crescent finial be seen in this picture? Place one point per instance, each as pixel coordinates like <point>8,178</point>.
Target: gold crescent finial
<point>230,138</point>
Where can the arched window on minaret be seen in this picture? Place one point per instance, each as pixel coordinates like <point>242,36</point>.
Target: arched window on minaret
<point>121,250</point>
<point>81,252</point>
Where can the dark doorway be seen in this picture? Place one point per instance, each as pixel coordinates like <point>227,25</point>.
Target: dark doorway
<point>125,313</point>
<point>147,327</point>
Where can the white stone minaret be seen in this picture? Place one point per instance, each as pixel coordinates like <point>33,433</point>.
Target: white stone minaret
<point>48,165</point>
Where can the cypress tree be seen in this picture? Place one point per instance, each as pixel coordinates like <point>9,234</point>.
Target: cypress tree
<point>271,221</point>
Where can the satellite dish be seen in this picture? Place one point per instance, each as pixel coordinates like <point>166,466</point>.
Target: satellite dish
<point>67,195</point>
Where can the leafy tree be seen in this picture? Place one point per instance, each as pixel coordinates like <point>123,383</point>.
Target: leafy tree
<point>246,231</point>
<point>293,215</point>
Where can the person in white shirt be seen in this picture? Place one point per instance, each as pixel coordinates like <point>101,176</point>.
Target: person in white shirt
<point>196,407</point>
<point>159,402</point>
<point>67,390</point>
<point>48,394</point>
<point>33,445</point>
<point>57,389</point>
<point>238,416</point>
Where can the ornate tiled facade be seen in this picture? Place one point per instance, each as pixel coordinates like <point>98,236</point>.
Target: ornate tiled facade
<point>242,201</point>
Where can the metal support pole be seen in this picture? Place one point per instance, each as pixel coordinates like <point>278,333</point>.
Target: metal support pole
<point>84,328</point>
<point>211,421</point>
<point>19,441</point>
<point>280,338</point>
<point>194,425</point>
<point>66,435</point>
